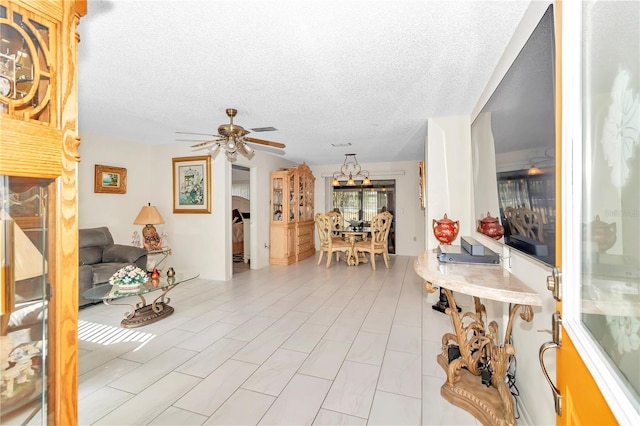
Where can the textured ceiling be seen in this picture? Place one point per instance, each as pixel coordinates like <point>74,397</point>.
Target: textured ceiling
<point>369,73</point>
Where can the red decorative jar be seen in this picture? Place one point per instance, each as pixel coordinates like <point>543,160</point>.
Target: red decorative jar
<point>445,229</point>
<point>490,226</point>
<point>601,233</point>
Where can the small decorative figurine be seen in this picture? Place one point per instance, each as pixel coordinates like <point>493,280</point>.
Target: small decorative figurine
<point>490,227</point>
<point>445,229</point>
<point>171,272</point>
<point>155,274</point>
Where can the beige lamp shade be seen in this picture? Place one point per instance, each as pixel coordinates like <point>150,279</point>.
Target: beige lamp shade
<point>149,215</point>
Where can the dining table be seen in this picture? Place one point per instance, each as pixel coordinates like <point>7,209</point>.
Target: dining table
<point>354,236</point>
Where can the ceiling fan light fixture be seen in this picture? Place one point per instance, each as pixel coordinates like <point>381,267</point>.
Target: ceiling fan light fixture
<point>246,149</point>
<point>534,170</point>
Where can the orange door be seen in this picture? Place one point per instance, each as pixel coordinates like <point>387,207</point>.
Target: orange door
<point>598,361</point>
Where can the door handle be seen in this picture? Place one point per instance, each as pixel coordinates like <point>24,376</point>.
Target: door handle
<point>556,321</point>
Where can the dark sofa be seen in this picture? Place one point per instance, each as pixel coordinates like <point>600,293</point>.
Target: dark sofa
<point>100,258</point>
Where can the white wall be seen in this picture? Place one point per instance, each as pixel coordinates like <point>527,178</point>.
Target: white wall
<point>409,215</point>
<point>535,395</point>
<point>200,242</point>
<point>448,174</point>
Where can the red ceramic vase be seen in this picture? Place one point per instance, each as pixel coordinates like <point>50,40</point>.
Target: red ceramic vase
<point>490,226</point>
<point>445,229</point>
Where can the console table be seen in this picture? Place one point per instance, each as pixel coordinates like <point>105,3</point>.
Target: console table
<point>476,349</point>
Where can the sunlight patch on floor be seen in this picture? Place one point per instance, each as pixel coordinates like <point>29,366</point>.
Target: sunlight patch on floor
<point>108,335</point>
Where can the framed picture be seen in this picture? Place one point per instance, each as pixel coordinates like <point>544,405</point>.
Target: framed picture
<point>192,184</point>
<point>422,186</point>
<point>110,180</point>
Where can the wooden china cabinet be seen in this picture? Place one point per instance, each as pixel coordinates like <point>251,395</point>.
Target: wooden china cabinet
<point>38,211</point>
<point>292,221</point>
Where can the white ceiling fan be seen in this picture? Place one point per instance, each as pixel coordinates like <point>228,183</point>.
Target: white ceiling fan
<point>232,138</point>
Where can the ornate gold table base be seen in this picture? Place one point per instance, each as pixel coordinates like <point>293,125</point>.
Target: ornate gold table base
<point>142,313</point>
<point>480,349</point>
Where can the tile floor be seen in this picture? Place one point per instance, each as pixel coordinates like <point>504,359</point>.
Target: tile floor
<point>283,345</point>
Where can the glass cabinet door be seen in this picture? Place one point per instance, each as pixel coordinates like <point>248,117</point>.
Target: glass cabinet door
<point>276,199</point>
<point>24,294</point>
<point>292,197</point>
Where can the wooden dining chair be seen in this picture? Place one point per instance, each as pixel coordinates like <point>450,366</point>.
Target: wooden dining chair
<point>378,243</point>
<point>327,243</point>
<point>336,223</point>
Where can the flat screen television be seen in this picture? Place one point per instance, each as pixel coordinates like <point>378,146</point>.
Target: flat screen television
<point>513,148</point>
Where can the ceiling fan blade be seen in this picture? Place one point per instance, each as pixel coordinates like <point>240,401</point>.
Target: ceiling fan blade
<point>263,142</point>
<point>192,133</point>
<point>203,145</point>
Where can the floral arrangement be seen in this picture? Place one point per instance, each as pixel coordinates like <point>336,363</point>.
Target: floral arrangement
<point>130,275</point>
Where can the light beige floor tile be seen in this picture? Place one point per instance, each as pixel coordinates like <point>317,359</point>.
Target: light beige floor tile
<point>205,338</point>
<point>213,391</point>
<point>147,374</point>
<point>392,409</point>
<point>275,373</point>
<point>305,338</point>
<point>203,321</point>
<point>103,375</point>
<point>316,299</point>
<point>437,410</point>
<point>430,352</point>
<point>404,338</point>
<point>144,407</point>
<point>332,418</point>
<point>401,374</point>
<point>173,416</point>
<point>379,319</point>
<point>278,309</point>
<point>101,403</point>
<point>298,403</point>
<point>157,345</point>
<point>368,348</point>
<point>259,349</point>
<point>325,360</point>
<point>251,329</point>
<point>343,331</point>
<point>289,322</point>
<point>353,389</point>
<point>244,407</point>
<point>325,315</point>
<point>205,362</point>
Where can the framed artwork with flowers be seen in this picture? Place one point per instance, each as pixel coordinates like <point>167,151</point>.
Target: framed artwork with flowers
<point>192,184</point>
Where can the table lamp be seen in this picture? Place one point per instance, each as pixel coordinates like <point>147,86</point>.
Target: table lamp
<point>149,216</point>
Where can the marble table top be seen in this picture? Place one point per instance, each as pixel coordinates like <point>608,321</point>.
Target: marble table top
<point>480,280</point>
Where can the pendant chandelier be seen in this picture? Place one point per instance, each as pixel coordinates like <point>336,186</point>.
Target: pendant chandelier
<point>351,171</point>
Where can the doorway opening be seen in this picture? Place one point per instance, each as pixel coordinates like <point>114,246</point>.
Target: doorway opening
<point>241,218</point>
<point>359,204</point>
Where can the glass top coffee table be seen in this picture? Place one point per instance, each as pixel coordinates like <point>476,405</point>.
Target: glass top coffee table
<point>142,313</point>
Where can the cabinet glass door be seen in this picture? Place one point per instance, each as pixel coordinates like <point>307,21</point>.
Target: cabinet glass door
<point>276,200</point>
<point>24,295</point>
